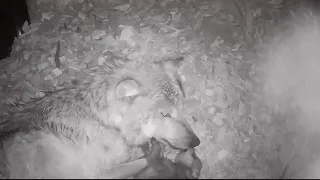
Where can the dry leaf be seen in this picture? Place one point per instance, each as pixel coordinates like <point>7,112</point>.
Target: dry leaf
<point>56,72</point>
<point>222,154</point>
<point>126,35</point>
<point>123,8</point>
<point>176,17</point>
<point>25,26</point>
<point>97,34</point>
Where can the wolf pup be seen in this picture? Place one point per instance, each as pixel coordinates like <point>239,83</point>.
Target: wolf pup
<point>83,130</point>
<point>185,166</point>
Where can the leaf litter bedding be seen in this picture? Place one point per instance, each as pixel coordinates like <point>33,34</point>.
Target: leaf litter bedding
<point>238,137</point>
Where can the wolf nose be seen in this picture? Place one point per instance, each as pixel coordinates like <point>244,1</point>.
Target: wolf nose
<point>195,141</point>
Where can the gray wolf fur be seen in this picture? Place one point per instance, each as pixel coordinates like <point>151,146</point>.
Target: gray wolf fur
<point>79,131</point>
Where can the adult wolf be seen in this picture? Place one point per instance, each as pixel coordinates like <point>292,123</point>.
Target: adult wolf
<point>83,130</point>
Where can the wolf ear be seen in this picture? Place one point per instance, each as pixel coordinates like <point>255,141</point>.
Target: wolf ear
<point>173,64</point>
<point>127,88</point>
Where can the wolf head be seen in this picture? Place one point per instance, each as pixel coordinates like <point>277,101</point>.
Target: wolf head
<point>149,105</point>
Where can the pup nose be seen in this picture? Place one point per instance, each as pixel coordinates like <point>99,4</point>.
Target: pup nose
<point>195,141</point>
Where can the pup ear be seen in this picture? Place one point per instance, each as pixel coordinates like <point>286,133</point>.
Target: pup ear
<point>127,88</point>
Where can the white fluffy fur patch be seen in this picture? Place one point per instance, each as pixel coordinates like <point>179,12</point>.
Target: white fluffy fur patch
<point>149,129</point>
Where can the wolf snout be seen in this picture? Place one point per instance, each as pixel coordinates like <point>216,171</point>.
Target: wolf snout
<point>179,135</point>
<point>188,139</point>
<point>194,140</point>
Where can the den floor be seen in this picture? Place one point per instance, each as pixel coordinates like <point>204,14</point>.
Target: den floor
<point>240,86</point>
